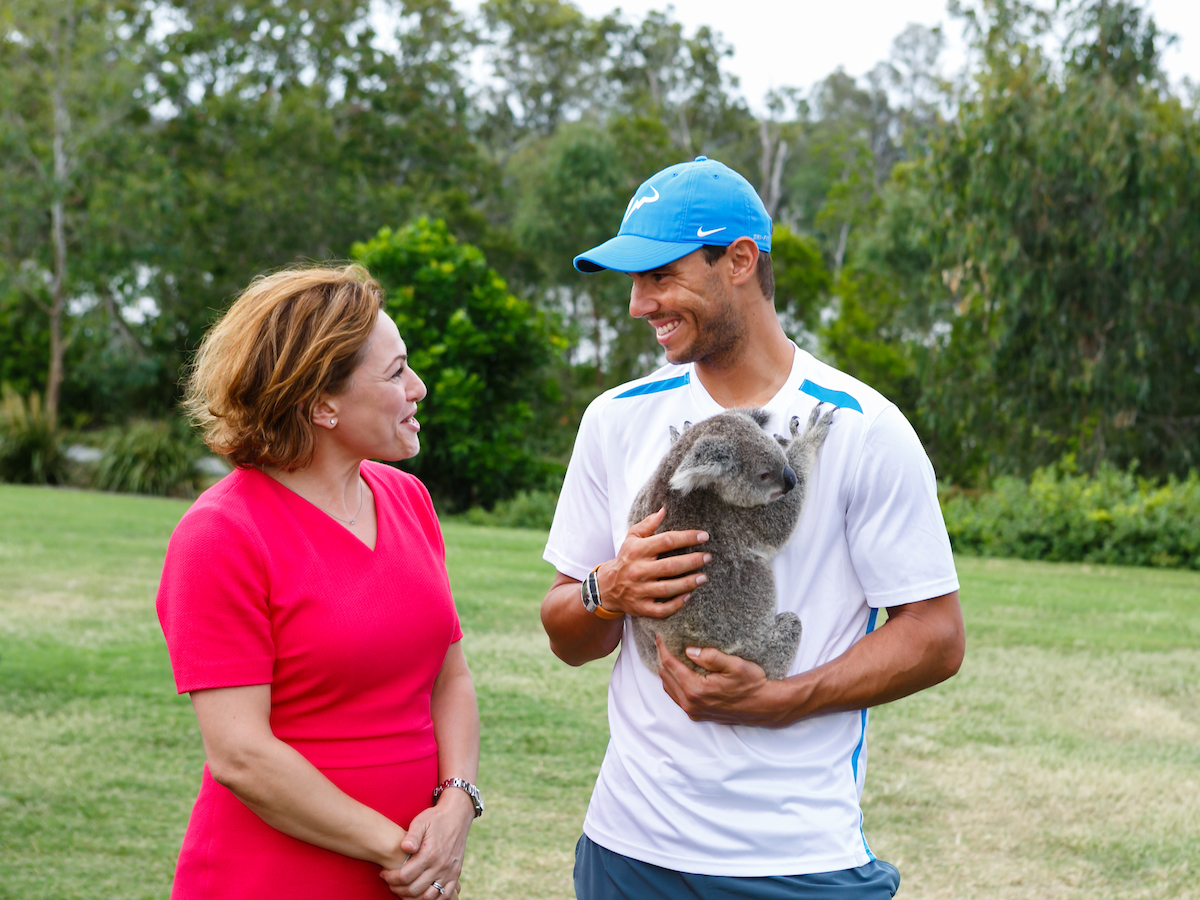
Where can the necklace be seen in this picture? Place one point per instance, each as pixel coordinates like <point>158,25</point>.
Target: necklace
<point>351,522</point>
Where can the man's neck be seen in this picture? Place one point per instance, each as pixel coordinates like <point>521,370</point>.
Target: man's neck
<point>755,376</point>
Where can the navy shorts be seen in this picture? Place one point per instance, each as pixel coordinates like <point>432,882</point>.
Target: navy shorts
<point>601,874</point>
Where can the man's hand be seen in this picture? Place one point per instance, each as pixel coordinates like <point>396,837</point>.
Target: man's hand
<point>637,582</point>
<point>920,645</point>
<point>735,691</point>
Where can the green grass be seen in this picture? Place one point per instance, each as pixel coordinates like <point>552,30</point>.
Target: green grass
<point>1062,762</point>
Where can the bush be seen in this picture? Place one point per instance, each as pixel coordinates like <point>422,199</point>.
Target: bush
<point>150,458</point>
<point>1111,517</point>
<point>30,445</point>
<point>482,352</point>
<point>528,509</point>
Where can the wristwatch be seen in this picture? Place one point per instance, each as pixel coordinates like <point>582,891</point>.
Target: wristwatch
<point>472,792</point>
<point>589,593</point>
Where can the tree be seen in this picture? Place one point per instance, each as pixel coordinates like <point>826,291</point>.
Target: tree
<point>548,64</point>
<point>801,280</point>
<point>678,80</point>
<point>68,134</point>
<point>293,128</point>
<point>482,353</point>
<point>1064,206</point>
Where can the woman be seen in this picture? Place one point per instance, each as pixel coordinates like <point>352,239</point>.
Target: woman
<point>308,613</point>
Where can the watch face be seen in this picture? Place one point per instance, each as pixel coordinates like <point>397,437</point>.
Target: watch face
<point>589,598</point>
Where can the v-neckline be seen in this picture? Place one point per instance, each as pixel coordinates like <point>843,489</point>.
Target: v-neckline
<point>341,526</point>
<point>777,405</point>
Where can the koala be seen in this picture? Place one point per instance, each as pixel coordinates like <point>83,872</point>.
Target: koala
<point>728,477</point>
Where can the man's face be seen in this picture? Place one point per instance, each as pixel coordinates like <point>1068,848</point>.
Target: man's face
<point>691,307</point>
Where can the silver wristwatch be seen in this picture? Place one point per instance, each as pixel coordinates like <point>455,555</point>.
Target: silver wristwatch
<point>589,592</point>
<point>472,792</point>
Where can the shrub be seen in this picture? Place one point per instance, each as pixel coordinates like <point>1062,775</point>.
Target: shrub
<point>482,352</point>
<point>528,509</point>
<point>1111,517</point>
<point>150,458</point>
<point>30,445</point>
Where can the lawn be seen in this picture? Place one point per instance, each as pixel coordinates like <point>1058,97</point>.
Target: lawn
<point>1063,761</point>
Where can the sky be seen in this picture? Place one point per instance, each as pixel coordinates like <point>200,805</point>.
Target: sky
<point>795,43</point>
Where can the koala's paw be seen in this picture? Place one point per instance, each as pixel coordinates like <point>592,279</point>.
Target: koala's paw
<point>818,425</point>
<point>814,415</point>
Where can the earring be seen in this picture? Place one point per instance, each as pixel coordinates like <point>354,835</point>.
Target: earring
<point>332,423</point>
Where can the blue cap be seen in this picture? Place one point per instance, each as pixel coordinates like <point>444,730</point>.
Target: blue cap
<point>679,210</point>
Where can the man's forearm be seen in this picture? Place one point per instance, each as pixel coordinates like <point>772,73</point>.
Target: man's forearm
<point>920,645</point>
<point>914,649</point>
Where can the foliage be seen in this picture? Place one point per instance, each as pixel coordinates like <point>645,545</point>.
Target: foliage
<point>801,280</point>
<point>70,156</point>
<point>1011,256</point>
<point>1062,515</point>
<point>575,186</point>
<point>866,338</point>
<point>528,509</point>
<point>1062,225</point>
<point>30,444</point>
<point>147,457</point>
<point>483,355</point>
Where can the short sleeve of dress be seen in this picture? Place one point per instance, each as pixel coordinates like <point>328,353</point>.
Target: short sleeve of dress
<point>894,525</point>
<point>581,534</point>
<point>213,604</point>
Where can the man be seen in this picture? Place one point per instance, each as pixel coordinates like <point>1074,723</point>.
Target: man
<point>726,784</point>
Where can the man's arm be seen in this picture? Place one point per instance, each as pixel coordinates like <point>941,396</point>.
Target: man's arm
<point>920,645</point>
<point>637,582</point>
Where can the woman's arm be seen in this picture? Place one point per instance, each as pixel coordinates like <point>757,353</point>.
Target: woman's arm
<point>437,837</point>
<point>280,786</point>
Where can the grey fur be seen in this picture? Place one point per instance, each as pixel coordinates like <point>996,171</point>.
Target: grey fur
<point>728,477</point>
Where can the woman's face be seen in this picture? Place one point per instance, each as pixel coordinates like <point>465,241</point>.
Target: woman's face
<point>376,415</point>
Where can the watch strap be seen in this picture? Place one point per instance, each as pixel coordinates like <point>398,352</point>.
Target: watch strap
<point>464,785</point>
<point>589,592</point>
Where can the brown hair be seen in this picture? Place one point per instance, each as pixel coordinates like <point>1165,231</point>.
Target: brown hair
<point>290,337</point>
<point>764,269</point>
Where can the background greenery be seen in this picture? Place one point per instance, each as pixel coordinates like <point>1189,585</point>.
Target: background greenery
<point>1061,761</point>
<point>1010,252</point>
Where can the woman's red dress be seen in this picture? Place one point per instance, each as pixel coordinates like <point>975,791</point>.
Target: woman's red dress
<point>262,587</point>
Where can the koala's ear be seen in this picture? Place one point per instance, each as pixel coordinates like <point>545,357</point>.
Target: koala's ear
<point>761,416</point>
<point>708,460</point>
<point>674,434</point>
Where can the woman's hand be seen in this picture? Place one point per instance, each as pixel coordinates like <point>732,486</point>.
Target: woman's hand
<point>436,842</point>
<point>437,837</point>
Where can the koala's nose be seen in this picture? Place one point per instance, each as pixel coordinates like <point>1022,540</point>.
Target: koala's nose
<point>789,479</point>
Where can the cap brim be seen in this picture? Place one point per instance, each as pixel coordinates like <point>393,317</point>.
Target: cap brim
<point>631,253</point>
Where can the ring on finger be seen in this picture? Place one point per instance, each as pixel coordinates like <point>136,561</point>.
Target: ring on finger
<point>438,888</point>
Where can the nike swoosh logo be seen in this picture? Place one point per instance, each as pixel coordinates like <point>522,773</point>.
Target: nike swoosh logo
<point>700,232</point>
<point>635,205</point>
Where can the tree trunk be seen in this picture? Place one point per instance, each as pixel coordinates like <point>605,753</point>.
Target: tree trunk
<point>62,126</point>
<point>774,156</point>
<point>839,257</point>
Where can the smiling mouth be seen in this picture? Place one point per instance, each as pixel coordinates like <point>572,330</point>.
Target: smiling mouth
<point>666,328</point>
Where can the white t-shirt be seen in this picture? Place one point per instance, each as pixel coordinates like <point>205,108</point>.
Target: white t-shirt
<point>719,799</point>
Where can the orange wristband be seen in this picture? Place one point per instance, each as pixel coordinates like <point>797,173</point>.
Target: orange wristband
<point>600,611</point>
